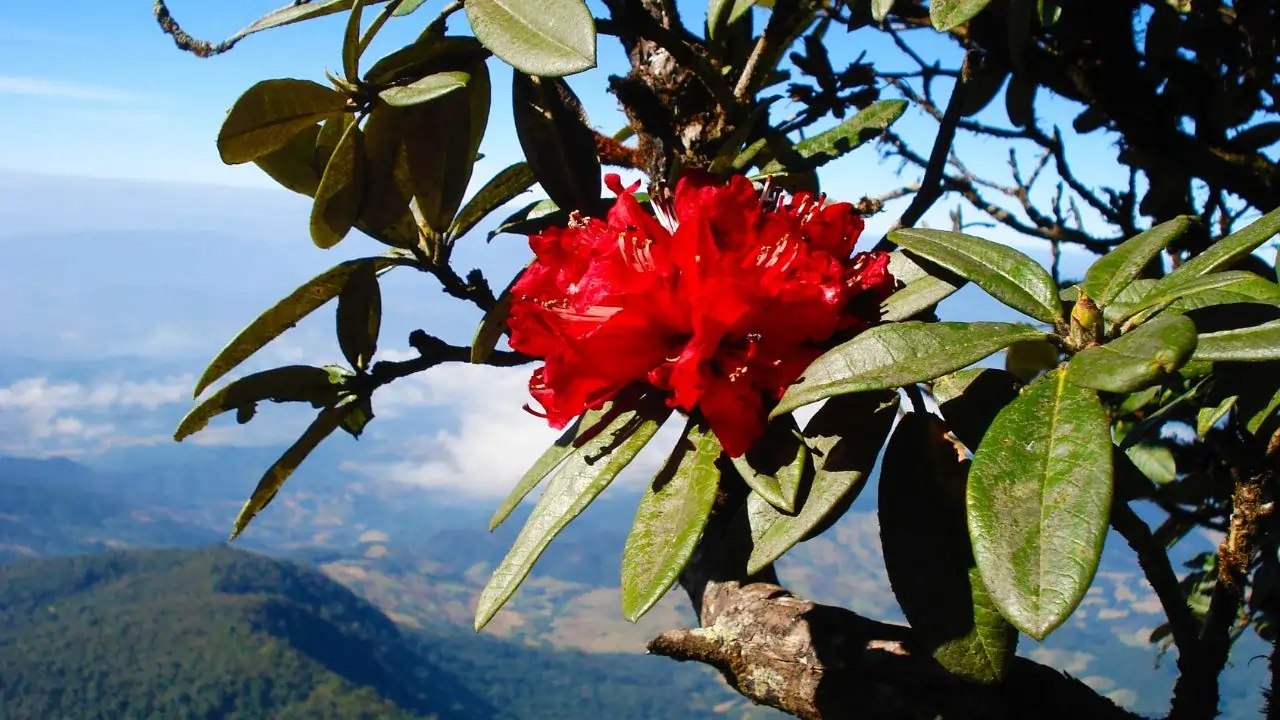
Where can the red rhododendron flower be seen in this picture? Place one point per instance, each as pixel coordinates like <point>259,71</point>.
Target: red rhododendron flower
<point>722,301</point>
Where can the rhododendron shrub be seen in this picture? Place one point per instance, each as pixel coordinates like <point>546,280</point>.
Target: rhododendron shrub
<point>720,292</point>
<point>720,301</point>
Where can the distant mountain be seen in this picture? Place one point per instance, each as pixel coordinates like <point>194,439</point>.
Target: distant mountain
<point>220,633</point>
<point>421,556</point>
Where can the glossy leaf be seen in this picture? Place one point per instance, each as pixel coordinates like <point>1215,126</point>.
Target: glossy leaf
<point>337,203</point>
<point>360,317</point>
<point>1137,358</point>
<point>890,356</point>
<point>271,113</point>
<point>947,14</point>
<point>282,316</point>
<point>442,140</point>
<point>426,89</point>
<point>292,383</point>
<point>970,399</point>
<point>326,422</point>
<point>1201,291</point>
<point>557,140</point>
<point>548,38</point>
<point>579,480</point>
<point>1004,273</point>
<point>291,164</point>
<point>1129,301</point>
<point>774,466</point>
<point>844,138</point>
<point>532,218</point>
<point>673,512</point>
<point>1252,344</point>
<point>928,557</point>
<point>1156,462</point>
<point>915,298</point>
<point>1039,498</point>
<point>1229,250</point>
<point>1113,272</point>
<point>500,190</point>
<point>589,422</point>
<point>844,439</point>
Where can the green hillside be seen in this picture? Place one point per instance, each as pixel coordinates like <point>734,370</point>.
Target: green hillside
<point>216,632</point>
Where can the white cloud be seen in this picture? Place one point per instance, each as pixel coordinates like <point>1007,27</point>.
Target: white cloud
<point>38,416</point>
<point>494,440</point>
<point>45,87</point>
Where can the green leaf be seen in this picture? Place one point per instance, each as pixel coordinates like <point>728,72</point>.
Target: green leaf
<point>442,140</point>
<point>360,317</point>
<point>890,356</point>
<point>337,203</point>
<point>1039,498</point>
<point>1137,358</point>
<point>947,14</point>
<point>584,427</point>
<point>845,137</point>
<point>1113,272</point>
<point>271,113</point>
<point>548,38</point>
<point>499,191</point>
<point>1251,344</point>
<point>493,325</point>
<point>1154,461</point>
<point>291,164</point>
<point>970,399</point>
<point>774,466</point>
<point>1209,417</point>
<point>880,9</point>
<point>284,315</point>
<point>388,186</point>
<point>408,7</point>
<point>296,13</point>
<point>424,90</point>
<point>722,13</point>
<point>322,427</point>
<point>1229,250</point>
<point>1004,273</point>
<point>431,53</point>
<point>1202,291</point>
<point>673,512</point>
<point>351,43</point>
<point>580,479</point>
<point>1129,301</point>
<point>292,383</point>
<point>915,298</point>
<point>557,140</point>
<point>532,218</point>
<point>1027,360</point>
<point>844,438</point>
<point>927,554</point>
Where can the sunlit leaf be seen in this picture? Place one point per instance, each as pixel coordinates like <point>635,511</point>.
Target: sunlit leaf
<point>1137,358</point>
<point>1251,344</point>
<point>673,512</point>
<point>889,356</point>
<point>947,14</point>
<point>844,138</point>
<point>548,38</point>
<point>322,427</point>
<point>1229,250</point>
<point>1004,273</point>
<point>582,476</point>
<point>271,113</point>
<point>1113,272</point>
<point>292,383</point>
<point>284,315</point>
<point>426,89</point>
<point>1039,499</point>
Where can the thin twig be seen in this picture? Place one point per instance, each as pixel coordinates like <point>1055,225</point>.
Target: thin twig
<point>1154,562</point>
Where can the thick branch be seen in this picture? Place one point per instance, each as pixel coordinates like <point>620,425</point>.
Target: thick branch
<point>819,662</point>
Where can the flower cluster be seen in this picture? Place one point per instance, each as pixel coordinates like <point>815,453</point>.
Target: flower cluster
<point>721,300</point>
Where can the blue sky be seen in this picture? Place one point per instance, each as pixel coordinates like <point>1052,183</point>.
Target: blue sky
<point>174,251</point>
